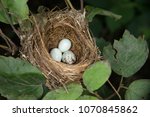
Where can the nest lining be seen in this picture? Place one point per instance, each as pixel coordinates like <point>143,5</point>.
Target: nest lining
<point>37,43</point>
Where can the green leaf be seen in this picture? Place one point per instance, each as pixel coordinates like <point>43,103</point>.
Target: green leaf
<point>13,11</point>
<point>92,11</point>
<point>19,79</point>
<point>96,75</point>
<point>72,92</point>
<point>138,90</point>
<point>127,55</point>
<point>127,13</point>
<point>87,97</point>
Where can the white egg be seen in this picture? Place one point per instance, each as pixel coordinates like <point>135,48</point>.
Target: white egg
<point>56,54</point>
<point>69,57</point>
<point>64,45</point>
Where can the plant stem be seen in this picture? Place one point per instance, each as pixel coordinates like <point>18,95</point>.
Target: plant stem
<point>97,95</point>
<point>116,92</point>
<point>82,6</point>
<point>12,47</point>
<point>69,4</point>
<point>120,86</point>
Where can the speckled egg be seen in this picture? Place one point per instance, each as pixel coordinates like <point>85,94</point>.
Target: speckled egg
<point>69,57</point>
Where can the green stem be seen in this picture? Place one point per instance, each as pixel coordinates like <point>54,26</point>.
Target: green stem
<point>116,91</point>
<point>120,86</point>
<point>81,3</point>
<point>69,4</point>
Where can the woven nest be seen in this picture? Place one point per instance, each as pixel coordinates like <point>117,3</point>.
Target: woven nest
<point>56,25</point>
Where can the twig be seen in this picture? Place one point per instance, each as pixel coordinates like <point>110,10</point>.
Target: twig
<point>97,95</point>
<point>69,4</point>
<point>120,86</point>
<point>124,87</point>
<point>5,48</point>
<point>11,45</point>
<point>114,89</point>
<point>82,6</point>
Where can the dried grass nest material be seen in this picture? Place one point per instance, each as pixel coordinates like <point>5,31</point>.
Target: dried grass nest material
<point>56,25</point>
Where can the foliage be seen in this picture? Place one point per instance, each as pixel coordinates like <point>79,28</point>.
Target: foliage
<point>13,11</point>
<point>92,11</point>
<point>20,80</point>
<point>139,89</point>
<point>127,55</point>
<point>71,92</point>
<point>96,75</point>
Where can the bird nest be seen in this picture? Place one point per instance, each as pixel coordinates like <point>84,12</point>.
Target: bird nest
<point>47,30</point>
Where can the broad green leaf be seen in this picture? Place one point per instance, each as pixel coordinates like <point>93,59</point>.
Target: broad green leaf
<point>127,55</point>
<point>72,92</point>
<point>127,13</point>
<point>19,79</point>
<point>138,90</point>
<point>87,97</point>
<point>92,11</point>
<point>13,11</point>
<point>96,75</point>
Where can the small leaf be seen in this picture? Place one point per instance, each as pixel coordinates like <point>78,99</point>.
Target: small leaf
<point>13,11</point>
<point>127,55</point>
<point>19,79</point>
<point>138,90</point>
<point>72,92</point>
<point>92,11</point>
<point>96,75</point>
<point>87,97</point>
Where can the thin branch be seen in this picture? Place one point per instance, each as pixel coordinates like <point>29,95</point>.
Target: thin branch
<point>69,4</point>
<point>8,41</point>
<point>5,48</point>
<point>5,38</point>
<point>114,89</point>
<point>124,87</point>
<point>97,95</point>
<point>82,6</point>
<point>120,86</point>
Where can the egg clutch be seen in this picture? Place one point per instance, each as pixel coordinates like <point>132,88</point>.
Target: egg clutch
<point>63,52</point>
<point>62,48</point>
